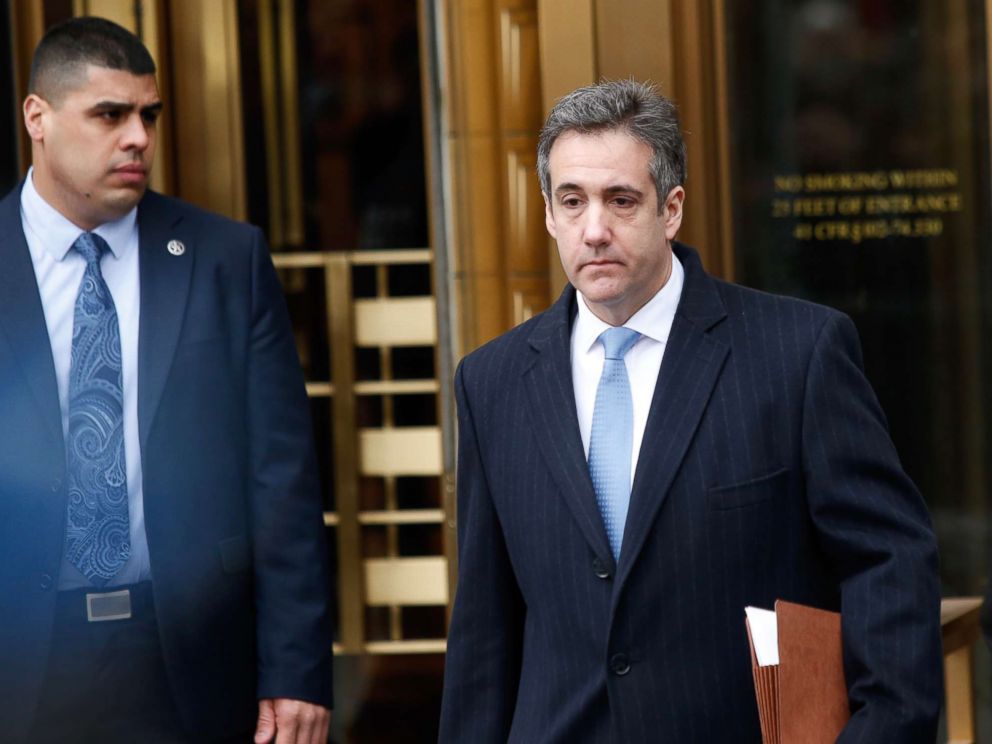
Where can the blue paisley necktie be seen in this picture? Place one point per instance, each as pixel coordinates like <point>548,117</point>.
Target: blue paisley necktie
<point>612,435</point>
<point>97,532</point>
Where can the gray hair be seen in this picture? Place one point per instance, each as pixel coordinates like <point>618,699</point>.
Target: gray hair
<point>625,105</point>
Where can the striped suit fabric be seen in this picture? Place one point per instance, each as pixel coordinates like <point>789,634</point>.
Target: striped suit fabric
<point>766,472</point>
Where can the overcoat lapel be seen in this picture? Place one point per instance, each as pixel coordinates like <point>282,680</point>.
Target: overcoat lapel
<point>22,318</point>
<point>165,281</point>
<point>552,411</point>
<point>690,368</point>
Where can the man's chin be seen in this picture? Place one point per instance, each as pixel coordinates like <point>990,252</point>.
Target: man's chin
<point>117,205</point>
<point>603,290</point>
<point>126,198</point>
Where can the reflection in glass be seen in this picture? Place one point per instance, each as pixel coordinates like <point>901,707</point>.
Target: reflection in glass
<point>861,180</point>
<point>363,132</point>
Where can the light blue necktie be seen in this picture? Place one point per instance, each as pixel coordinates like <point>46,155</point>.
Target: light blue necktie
<point>98,538</point>
<point>613,435</point>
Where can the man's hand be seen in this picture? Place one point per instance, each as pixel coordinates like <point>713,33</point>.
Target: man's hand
<point>286,721</point>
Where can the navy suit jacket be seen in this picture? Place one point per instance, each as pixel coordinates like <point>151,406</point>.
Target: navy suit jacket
<point>231,496</point>
<point>766,473</point>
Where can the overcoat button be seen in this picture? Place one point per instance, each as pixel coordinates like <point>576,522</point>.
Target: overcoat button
<point>619,664</point>
<point>600,569</point>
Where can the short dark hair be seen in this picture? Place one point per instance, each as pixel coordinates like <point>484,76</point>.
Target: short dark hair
<point>625,105</point>
<point>68,47</point>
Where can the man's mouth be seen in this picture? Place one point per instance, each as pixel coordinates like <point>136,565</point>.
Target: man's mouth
<point>132,172</point>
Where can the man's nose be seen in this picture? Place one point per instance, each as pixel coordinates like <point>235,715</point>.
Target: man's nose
<point>136,134</point>
<point>597,225</point>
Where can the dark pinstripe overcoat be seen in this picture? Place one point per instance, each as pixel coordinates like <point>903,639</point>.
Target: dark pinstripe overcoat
<point>766,472</point>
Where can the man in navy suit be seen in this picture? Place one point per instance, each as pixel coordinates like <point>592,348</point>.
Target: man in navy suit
<point>604,568</point>
<point>162,560</point>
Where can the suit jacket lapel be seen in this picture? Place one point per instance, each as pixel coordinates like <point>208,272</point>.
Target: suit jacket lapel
<point>22,318</point>
<point>552,411</point>
<point>165,280</point>
<point>690,368</point>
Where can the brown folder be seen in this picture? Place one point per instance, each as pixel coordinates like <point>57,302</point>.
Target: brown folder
<point>803,700</point>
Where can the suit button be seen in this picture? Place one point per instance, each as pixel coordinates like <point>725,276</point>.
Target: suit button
<point>600,569</point>
<point>56,485</point>
<point>619,664</point>
<point>46,581</point>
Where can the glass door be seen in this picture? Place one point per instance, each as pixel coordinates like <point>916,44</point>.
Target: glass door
<point>336,173</point>
<point>10,109</point>
<point>859,141</point>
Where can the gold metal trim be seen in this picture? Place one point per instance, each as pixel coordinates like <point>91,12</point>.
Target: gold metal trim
<point>280,114</point>
<point>317,259</point>
<point>397,387</point>
<point>300,260</point>
<point>722,122</point>
<point>395,321</point>
<point>351,583</point>
<point>320,389</point>
<point>402,516</point>
<point>392,257</point>
<point>406,647</point>
<point>959,618</point>
<point>235,129</point>
<point>267,64</point>
<point>417,581</point>
<point>153,34</point>
<point>407,450</point>
<point>427,646</point>
<point>207,78</point>
<point>292,173</point>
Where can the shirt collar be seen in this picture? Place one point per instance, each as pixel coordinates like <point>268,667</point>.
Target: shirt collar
<point>653,320</point>
<point>56,233</point>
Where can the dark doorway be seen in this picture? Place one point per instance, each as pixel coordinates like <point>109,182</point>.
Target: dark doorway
<point>9,170</point>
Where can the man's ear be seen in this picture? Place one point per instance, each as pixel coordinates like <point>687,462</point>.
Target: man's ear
<point>549,218</point>
<point>35,109</point>
<point>672,212</point>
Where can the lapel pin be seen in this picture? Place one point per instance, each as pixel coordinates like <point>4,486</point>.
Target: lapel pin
<point>176,247</point>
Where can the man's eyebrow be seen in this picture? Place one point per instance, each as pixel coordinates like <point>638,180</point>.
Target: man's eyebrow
<point>563,187</point>
<point>620,188</point>
<point>124,107</point>
<point>623,189</point>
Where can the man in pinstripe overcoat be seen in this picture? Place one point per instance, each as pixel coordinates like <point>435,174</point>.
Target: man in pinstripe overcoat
<point>760,468</point>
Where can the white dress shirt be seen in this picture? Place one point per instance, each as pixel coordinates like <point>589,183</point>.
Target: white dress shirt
<point>59,272</point>
<point>654,322</point>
